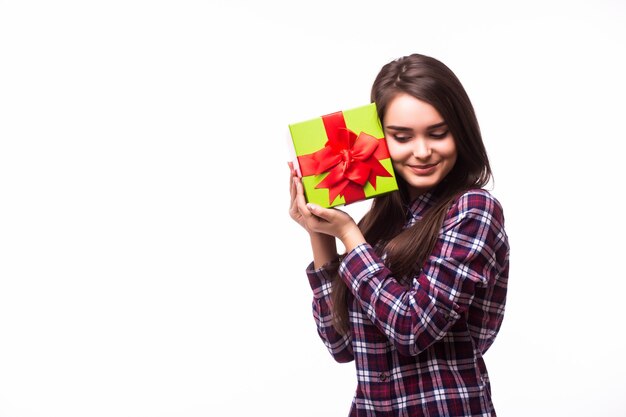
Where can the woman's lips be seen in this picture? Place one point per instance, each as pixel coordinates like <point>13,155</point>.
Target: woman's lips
<point>426,169</point>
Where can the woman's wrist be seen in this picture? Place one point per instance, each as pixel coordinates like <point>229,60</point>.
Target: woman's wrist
<point>324,248</point>
<point>352,238</point>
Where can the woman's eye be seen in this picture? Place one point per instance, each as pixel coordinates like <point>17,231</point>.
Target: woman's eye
<point>400,138</point>
<point>439,135</point>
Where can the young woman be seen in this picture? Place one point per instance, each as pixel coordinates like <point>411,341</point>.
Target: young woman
<point>418,296</point>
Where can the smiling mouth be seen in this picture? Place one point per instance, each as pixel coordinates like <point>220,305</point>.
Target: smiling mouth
<point>423,170</point>
<point>422,166</point>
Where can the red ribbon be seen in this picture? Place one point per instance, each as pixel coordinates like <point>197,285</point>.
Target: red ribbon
<point>350,160</point>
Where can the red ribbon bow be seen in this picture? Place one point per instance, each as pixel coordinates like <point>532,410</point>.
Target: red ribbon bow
<point>351,160</point>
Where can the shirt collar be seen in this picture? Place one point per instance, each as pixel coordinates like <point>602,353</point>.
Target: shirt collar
<point>423,202</point>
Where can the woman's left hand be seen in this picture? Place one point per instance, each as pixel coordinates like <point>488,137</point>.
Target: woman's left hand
<point>331,221</point>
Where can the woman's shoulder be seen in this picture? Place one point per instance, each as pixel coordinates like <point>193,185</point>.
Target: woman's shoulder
<point>478,197</point>
<point>476,202</point>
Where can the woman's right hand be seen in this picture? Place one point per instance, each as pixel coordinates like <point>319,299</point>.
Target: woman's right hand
<point>323,245</point>
<point>294,211</point>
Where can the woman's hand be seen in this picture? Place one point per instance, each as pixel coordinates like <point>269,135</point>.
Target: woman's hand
<point>294,212</point>
<point>316,219</point>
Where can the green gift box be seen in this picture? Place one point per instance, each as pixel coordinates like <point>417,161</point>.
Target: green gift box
<point>343,157</point>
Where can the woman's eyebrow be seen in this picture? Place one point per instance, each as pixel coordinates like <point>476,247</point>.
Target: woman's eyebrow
<point>399,128</point>
<point>408,129</point>
<point>437,125</point>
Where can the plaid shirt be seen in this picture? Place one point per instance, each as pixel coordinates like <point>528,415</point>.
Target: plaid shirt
<point>418,349</point>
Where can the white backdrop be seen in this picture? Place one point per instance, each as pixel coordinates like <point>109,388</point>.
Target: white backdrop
<point>148,266</point>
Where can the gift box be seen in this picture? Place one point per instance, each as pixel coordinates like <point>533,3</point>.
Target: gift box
<point>342,157</point>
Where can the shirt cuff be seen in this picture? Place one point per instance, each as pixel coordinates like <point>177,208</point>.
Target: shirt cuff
<point>322,276</point>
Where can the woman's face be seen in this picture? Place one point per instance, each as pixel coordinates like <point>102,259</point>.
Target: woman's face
<point>421,147</point>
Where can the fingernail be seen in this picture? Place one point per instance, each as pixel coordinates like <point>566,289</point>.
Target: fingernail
<point>311,207</point>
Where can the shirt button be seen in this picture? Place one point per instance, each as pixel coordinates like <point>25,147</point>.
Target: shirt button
<point>383,376</point>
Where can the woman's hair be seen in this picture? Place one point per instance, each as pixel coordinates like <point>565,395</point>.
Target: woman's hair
<point>429,80</point>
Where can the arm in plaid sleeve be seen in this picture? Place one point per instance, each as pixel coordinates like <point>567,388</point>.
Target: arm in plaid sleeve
<point>339,346</point>
<point>469,258</point>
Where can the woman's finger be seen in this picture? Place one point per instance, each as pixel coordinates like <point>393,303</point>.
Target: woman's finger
<point>300,200</point>
<point>325,215</point>
<point>292,188</point>
<point>319,211</point>
<point>291,174</point>
<point>292,183</point>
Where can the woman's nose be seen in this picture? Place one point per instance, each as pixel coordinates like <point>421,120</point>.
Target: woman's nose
<point>421,149</point>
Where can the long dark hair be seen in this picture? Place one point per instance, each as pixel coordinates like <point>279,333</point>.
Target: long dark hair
<point>429,80</point>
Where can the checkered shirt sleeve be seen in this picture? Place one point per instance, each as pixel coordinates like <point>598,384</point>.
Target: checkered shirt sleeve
<point>469,255</point>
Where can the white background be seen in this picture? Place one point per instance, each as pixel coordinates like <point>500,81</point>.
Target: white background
<point>148,266</point>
